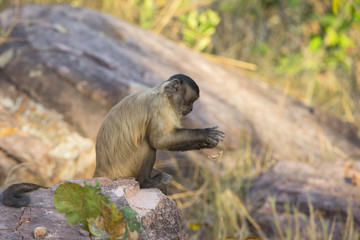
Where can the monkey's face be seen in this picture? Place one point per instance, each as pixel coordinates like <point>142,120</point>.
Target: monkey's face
<point>182,91</point>
<point>187,100</point>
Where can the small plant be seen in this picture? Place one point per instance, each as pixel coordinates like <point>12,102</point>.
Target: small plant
<point>199,27</point>
<point>92,211</point>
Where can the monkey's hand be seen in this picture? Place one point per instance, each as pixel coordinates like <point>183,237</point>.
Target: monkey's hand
<point>213,137</point>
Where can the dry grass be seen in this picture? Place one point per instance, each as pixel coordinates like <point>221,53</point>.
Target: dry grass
<point>212,200</point>
<point>217,208</point>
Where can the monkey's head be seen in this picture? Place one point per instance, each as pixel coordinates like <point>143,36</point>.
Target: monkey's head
<point>182,92</point>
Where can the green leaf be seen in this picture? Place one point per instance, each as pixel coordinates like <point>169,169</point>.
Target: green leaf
<point>213,17</point>
<point>203,18</point>
<point>199,27</point>
<point>206,26</point>
<point>147,11</point>
<point>128,213</point>
<point>315,43</point>
<point>327,20</point>
<point>135,226</point>
<point>189,35</point>
<point>203,43</point>
<point>89,208</point>
<point>78,203</point>
<point>345,41</point>
<point>110,220</point>
<point>192,20</point>
<point>331,37</point>
<point>95,230</point>
<point>97,190</point>
<point>209,31</point>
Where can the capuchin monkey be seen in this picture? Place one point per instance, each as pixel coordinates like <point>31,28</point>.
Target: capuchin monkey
<point>134,129</point>
<point>147,121</point>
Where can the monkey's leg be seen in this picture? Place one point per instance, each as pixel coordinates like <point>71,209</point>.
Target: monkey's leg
<point>152,178</point>
<point>144,176</point>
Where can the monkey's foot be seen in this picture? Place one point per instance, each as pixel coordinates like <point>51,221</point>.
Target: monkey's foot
<point>166,178</point>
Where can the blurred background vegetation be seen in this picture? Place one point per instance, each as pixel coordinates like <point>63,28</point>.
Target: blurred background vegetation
<point>308,49</point>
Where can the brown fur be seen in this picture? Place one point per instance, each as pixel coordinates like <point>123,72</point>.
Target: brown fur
<point>131,119</point>
<point>143,122</point>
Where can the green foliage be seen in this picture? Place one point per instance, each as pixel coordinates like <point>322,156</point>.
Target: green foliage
<point>97,190</point>
<point>91,210</point>
<point>129,215</point>
<point>315,43</point>
<point>199,27</point>
<point>78,203</point>
<point>146,13</point>
<point>304,47</point>
<point>192,26</point>
<point>328,46</point>
<point>109,223</point>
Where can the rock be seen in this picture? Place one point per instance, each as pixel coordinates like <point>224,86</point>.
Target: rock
<point>319,191</point>
<point>159,215</point>
<point>39,232</point>
<point>36,145</point>
<point>80,62</point>
<point>65,67</point>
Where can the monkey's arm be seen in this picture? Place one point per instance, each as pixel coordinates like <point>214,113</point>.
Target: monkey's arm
<point>14,195</point>
<point>184,139</point>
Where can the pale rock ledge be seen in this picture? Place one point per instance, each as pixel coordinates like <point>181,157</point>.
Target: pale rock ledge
<point>159,215</point>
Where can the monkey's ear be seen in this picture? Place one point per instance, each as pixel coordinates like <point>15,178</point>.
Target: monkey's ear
<point>172,86</point>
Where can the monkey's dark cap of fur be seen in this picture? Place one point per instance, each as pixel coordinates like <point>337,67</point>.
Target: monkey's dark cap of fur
<point>187,80</point>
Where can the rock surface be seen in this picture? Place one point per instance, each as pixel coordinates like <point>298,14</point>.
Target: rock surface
<point>323,189</point>
<point>159,215</point>
<point>79,63</point>
<point>63,68</point>
<point>36,144</point>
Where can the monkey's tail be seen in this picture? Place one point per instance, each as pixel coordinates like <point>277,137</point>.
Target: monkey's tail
<point>14,195</point>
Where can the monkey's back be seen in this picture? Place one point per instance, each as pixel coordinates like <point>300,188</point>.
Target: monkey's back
<point>121,143</point>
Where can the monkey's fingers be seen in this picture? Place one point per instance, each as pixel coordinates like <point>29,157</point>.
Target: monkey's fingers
<point>221,133</point>
<point>218,133</point>
<point>221,136</point>
<point>222,139</point>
